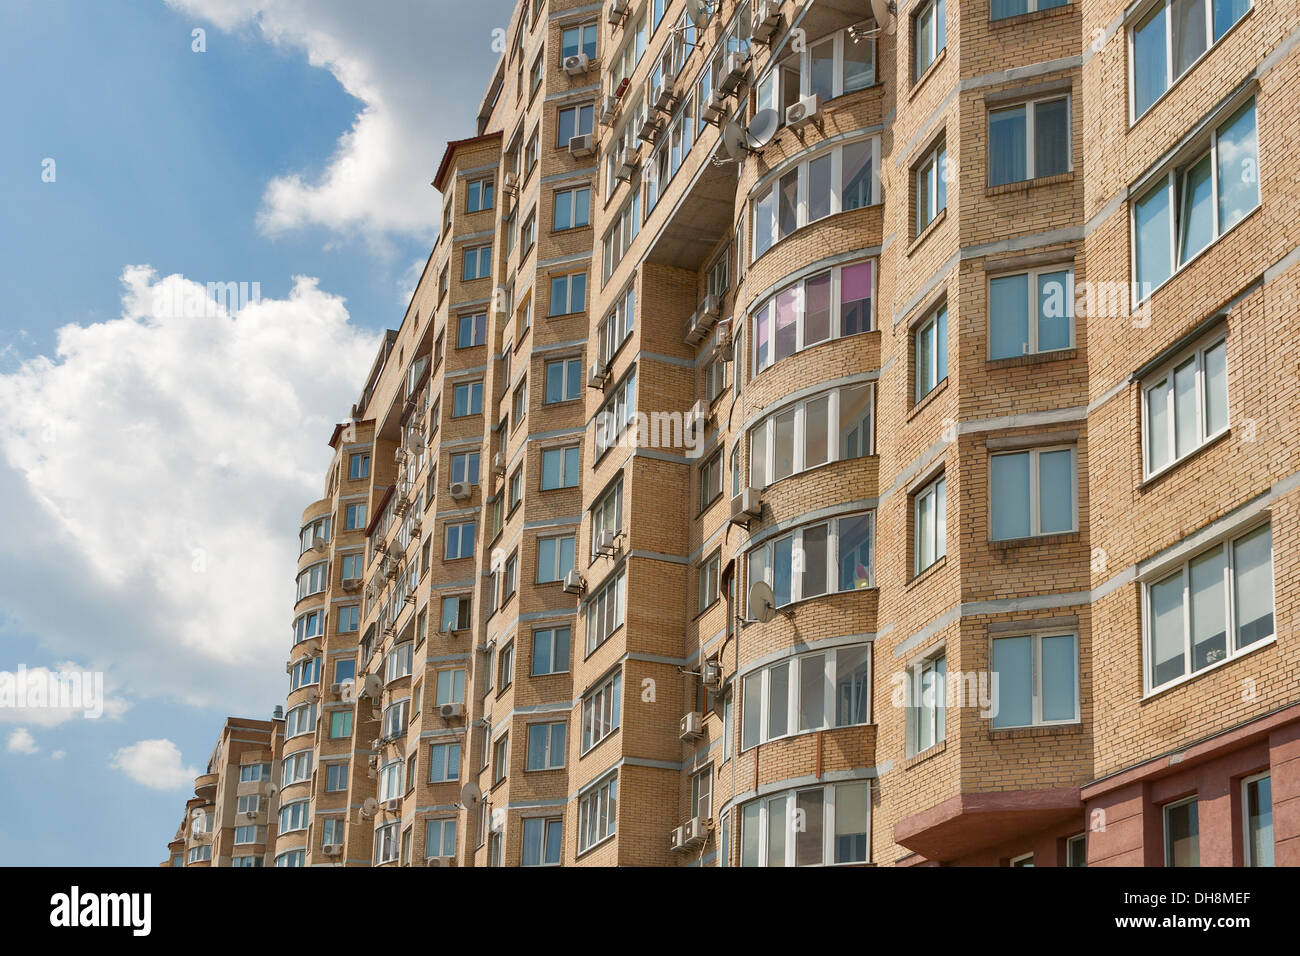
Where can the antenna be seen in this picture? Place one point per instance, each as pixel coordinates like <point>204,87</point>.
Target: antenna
<point>762,128</point>
<point>699,12</point>
<point>734,140</point>
<point>884,11</point>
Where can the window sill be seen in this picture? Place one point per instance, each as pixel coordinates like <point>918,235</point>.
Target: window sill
<point>930,227</point>
<point>1034,15</point>
<point>927,572</point>
<point>931,751</point>
<point>1067,729</point>
<point>1011,544</point>
<point>1154,478</point>
<point>1188,678</point>
<point>927,399</point>
<point>1024,185</point>
<point>1034,358</point>
<point>927,72</point>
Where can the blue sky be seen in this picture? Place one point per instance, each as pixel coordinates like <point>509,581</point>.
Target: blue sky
<point>154,464</point>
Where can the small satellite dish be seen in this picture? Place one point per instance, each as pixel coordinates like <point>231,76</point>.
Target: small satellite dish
<point>734,140</point>
<point>470,795</point>
<point>762,602</point>
<point>763,128</point>
<point>369,807</point>
<point>698,11</point>
<point>884,12</point>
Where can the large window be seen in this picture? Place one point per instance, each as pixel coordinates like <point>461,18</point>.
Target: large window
<point>1257,819</point>
<point>605,610</point>
<point>817,826</point>
<point>1032,493</point>
<point>551,651</point>
<point>300,720</point>
<point>464,467</point>
<point>296,768</point>
<point>1169,39</point>
<point>560,467</point>
<point>930,352</point>
<point>929,35</point>
<point>828,688</point>
<point>1038,679</point>
<point>616,415</point>
<point>828,68</point>
<point>440,838</point>
<point>1185,405</point>
<point>600,711</point>
<point>309,625</point>
<point>1029,141</point>
<point>1214,607</point>
<point>546,745</point>
<point>543,842</point>
<point>554,557</point>
<point>832,426</point>
<point>293,816</point>
<point>386,843</point>
<point>929,524</point>
<point>572,121</point>
<point>817,559</point>
<point>830,305</point>
<point>1196,202</point>
<point>837,180</point>
<point>450,687</point>
<point>619,236</point>
<point>1031,312</point>
<point>312,580</point>
<point>1182,834</point>
<point>598,813</point>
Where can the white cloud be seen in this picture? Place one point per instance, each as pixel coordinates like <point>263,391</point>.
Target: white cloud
<point>21,742</point>
<point>419,70</point>
<point>158,469</point>
<point>154,763</point>
<point>58,754</point>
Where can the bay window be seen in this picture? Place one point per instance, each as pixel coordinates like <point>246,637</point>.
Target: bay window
<point>1185,405</point>
<point>824,558</point>
<point>816,691</point>
<point>837,180</point>
<point>815,826</point>
<point>832,304</point>
<point>831,426</point>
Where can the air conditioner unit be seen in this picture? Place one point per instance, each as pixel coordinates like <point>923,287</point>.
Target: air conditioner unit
<point>629,160</point>
<point>509,183</point>
<point>696,831</point>
<point>608,107</point>
<point>804,111</point>
<point>332,849</point>
<point>714,107</point>
<point>351,584</point>
<point>676,840</point>
<point>499,463</point>
<point>440,861</point>
<point>721,337</point>
<point>250,814</point>
<point>692,725</point>
<point>616,11</point>
<point>711,674</point>
<point>605,542</point>
<point>733,72</point>
<point>767,20</point>
<point>573,583</point>
<point>393,805</point>
<point>595,375</point>
<point>337,689</point>
<point>697,328</point>
<point>664,95</point>
<point>460,490</point>
<point>577,64</point>
<point>452,710</point>
<point>746,505</point>
<point>581,146</point>
<point>649,128</point>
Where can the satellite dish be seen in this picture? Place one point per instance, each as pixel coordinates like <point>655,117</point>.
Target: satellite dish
<point>369,807</point>
<point>762,602</point>
<point>698,11</point>
<point>883,11</point>
<point>763,128</point>
<point>470,795</point>
<point>734,140</point>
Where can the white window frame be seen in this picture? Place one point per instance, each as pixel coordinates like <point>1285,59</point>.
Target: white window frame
<point>767,428</point>
<point>1171,80</point>
<point>600,799</point>
<point>793,668</point>
<point>1164,376</point>
<point>766,312</point>
<point>602,711</point>
<point>937,20</point>
<point>549,759</point>
<point>767,550</point>
<point>1033,308</point>
<point>1036,679</point>
<point>557,571</point>
<point>1031,135</point>
<point>788,801</point>
<point>1035,489</point>
<point>939,495</point>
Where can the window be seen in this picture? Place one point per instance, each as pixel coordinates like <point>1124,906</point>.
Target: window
<point>706,579</point>
<point>579,39</point>
<point>250,803</point>
<point>478,195</point>
<point>572,208</point>
<point>810,692</point>
<point>701,804</point>
<point>626,227</point>
<point>331,831</point>
<point>1211,609</point>
<point>399,661</point>
<point>312,580</point>
<point>528,233</point>
<point>841,179</point>
<point>296,768</point>
<point>471,330</point>
<point>464,467</point>
<point>1182,840</point>
<point>926,697</point>
<point>554,557</point>
<point>1169,39</point>
<point>600,711</point>
<point>340,723</point>
<point>386,845</point>
<point>598,813</point>
<point>830,67</point>
<point>336,777</point>
<point>615,415</point>
<point>831,305</point>
<point>605,611</point>
<point>505,667</point>
<point>1032,493</point>
<point>300,720</point>
<point>500,758</point>
<point>203,854</point>
<point>1185,405</point>
<point>818,826</point>
<point>519,402</point>
<point>1196,202</point>
<point>930,352</point>
<point>293,816</point>
<point>1076,850</point>
<point>824,558</point>
<point>563,381</point>
<point>304,672</point>
<point>929,35</point>
<point>478,263</point>
<point>715,377</point>
<point>546,744</point>
<point>358,467</point>
<point>455,613</point>
<point>568,294</point>
<point>253,772</point>
<point>440,838</point>
<point>711,479</point>
<point>1257,814</point>
<point>539,65</point>
<point>249,861</point>
<point>929,522</point>
<point>560,467</point>
<point>467,399</point>
<point>1031,312</point>
<point>616,327</point>
<point>508,578</point>
<point>832,426</point>
<point>316,532</point>
<point>395,718</point>
<point>460,541</point>
<point>543,842</point>
<point>931,180</point>
<point>551,651</point>
<point>353,567</point>
<point>255,834</point>
<point>516,488</point>
<point>1038,680</point>
<point>309,625</point>
<point>1012,8</point>
<point>450,687</point>
<point>1029,141</point>
<point>607,514</point>
<point>390,780</point>
<point>572,121</point>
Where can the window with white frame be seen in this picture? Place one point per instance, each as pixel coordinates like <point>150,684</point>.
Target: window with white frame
<point>572,208</point>
<point>839,179</point>
<point>253,834</point>
<point>546,744</point>
<point>1038,679</point>
<point>440,838</point>
<point>246,861</point>
<point>293,816</point>
<point>614,417</point>
<point>617,326</point>
<point>619,236</point>
<point>929,524</point>
<point>598,813</point>
<point>390,780</point>
<point>467,399</point>
<point>605,610</point>
<point>563,381</point>
<point>543,841</point>
<point>823,558</point>
<point>711,479</point>
<point>814,691</point>
<point>395,718</point>
<point>600,710</point>
<point>312,580</point>
<point>701,804</point>
<point>291,858</point>
<point>203,854</point>
<point>444,762</point>
<point>471,330</point>
<point>1195,202</point>
<point>925,699</point>
<point>672,147</point>
<point>386,843</point>
<point>1214,607</point>
<point>309,625</point>
<point>1257,819</point>
<point>479,195</point>
<point>1029,140</point>
<point>318,531</point>
<point>832,304</point>
<point>1031,312</point>
<point>399,661</point>
<point>815,826</point>
<point>1002,9</point>
<point>706,580</point>
<point>253,772</point>
<point>248,803</point>
<point>560,467</point>
<point>464,467</point>
<point>1168,39</point>
<point>607,514</point>
<point>829,67</point>
<point>832,426</point>
<point>929,35</point>
<point>554,557</point>
<point>304,672</point>
<point>568,294</point>
<point>331,829</point>
<point>1032,493</point>
<point>300,720</point>
<point>455,613</point>
<point>930,352</point>
<point>460,540</point>
<point>1185,405</point>
<point>296,768</point>
<point>571,121</point>
<point>551,651</point>
<point>478,263</point>
<point>930,181</point>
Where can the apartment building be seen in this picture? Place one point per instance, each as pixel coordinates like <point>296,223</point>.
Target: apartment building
<point>832,433</point>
